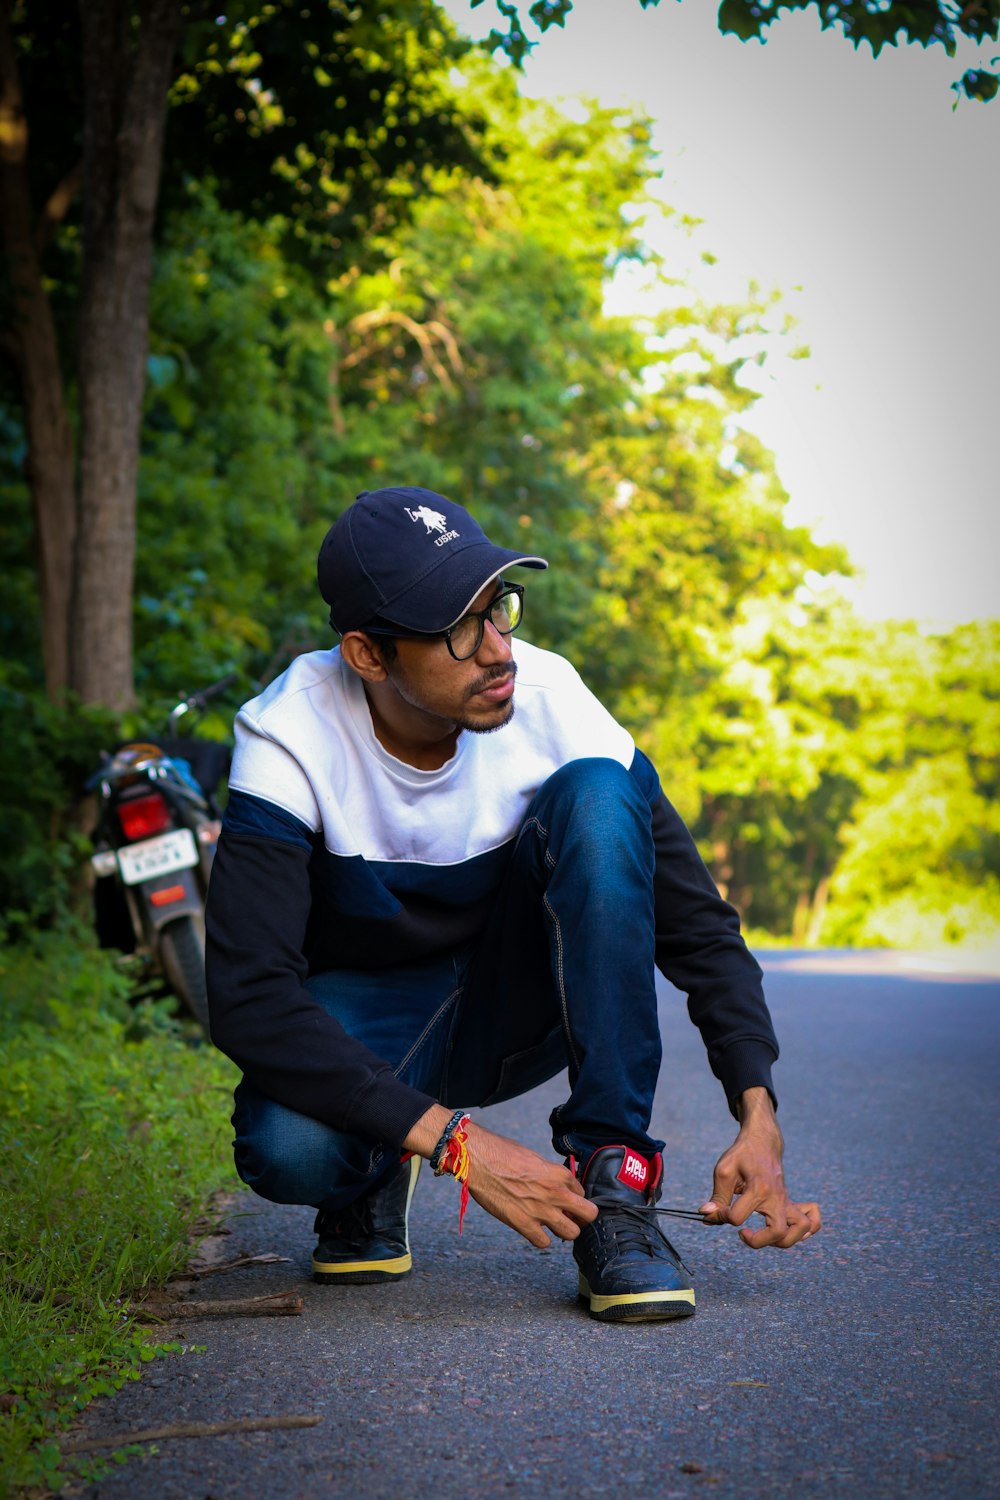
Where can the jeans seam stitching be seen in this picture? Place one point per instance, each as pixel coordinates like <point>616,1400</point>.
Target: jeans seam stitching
<point>560,980</point>
<point>550,860</point>
<point>534,823</point>
<point>421,1039</point>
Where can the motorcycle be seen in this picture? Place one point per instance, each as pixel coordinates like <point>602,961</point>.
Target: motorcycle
<point>157,829</point>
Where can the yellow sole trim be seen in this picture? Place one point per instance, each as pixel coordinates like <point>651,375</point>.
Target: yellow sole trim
<point>629,1299</point>
<point>398,1266</point>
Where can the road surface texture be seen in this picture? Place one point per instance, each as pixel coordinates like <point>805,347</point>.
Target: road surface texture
<point>860,1364</point>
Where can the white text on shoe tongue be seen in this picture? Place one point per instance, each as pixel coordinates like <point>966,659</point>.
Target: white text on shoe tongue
<point>634,1171</point>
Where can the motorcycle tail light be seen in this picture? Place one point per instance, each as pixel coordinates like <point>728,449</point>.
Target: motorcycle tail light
<point>166,897</point>
<point>143,816</point>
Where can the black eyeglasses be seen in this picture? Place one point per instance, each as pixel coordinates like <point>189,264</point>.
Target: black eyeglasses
<point>464,639</point>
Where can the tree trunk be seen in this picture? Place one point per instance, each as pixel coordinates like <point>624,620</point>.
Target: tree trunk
<point>819,902</point>
<point>722,863</point>
<point>127,69</point>
<point>32,343</point>
<point>803,902</point>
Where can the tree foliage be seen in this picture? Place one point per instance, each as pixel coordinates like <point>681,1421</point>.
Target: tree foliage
<point>839,778</point>
<point>335,116</point>
<point>921,861</point>
<point>942,23</point>
<point>340,123</point>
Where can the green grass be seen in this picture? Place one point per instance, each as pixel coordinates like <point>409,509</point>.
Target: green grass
<point>113,1133</point>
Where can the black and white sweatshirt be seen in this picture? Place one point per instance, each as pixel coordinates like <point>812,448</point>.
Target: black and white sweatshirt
<point>334,854</point>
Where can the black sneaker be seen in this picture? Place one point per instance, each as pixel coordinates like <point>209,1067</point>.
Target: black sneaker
<point>629,1270</point>
<point>368,1240</point>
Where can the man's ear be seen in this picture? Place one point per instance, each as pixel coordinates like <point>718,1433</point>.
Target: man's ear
<point>363,656</point>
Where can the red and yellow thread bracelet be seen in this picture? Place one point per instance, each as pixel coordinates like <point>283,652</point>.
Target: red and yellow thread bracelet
<point>457,1119</point>
<point>450,1157</point>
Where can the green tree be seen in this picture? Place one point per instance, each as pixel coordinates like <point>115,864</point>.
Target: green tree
<point>479,360</point>
<point>236,450</point>
<point>474,359</point>
<point>942,23</point>
<point>467,348</point>
<point>921,864</point>
<point>84,500</point>
<point>482,363</point>
<point>781,752</point>
<point>702,606</point>
<point>341,116</point>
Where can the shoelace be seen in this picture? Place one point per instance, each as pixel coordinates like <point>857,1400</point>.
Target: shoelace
<point>676,1213</point>
<point>640,1213</point>
<point>682,1213</point>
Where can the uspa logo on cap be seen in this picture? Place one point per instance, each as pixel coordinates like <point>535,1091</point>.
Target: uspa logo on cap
<point>372,566</point>
<point>435,522</point>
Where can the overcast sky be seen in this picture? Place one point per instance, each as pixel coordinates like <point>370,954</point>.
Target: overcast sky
<point>852,185</point>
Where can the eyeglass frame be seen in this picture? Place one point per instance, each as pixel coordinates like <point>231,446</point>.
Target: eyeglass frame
<point>480,615</point>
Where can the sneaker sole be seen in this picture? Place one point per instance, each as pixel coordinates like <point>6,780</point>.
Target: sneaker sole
<point>367,1272</point>
<point>362,1272</point>
<point>638,1307</point>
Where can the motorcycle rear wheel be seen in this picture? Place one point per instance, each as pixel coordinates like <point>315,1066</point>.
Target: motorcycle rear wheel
<point>182,954</point>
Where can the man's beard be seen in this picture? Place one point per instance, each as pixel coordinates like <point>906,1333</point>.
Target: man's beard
<point>495,674</point>
<point>475,728</point>
<point>401,682</point>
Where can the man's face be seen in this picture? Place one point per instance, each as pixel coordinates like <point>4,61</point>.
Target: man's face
<point>477,694</point>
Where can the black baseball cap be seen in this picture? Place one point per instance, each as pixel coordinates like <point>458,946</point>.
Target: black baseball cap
<point>410,557</point>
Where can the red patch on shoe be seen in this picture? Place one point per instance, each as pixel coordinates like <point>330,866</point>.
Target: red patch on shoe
<point>634,1171</point>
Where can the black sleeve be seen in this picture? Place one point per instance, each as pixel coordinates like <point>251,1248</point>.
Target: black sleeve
<point>262,1017</point>
<point>700,949</point>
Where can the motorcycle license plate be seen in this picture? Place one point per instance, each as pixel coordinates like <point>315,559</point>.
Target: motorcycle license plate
<point>170,851</point>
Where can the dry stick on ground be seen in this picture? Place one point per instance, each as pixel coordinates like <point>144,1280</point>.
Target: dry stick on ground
<point>281,1304</point>
<point>197,1272</point>
<point>187,1429</point>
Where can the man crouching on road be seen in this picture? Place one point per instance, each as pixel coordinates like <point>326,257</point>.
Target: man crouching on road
<point>411,915</point>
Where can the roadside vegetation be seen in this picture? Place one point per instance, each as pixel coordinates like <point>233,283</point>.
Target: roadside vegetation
<point>114,1134</point>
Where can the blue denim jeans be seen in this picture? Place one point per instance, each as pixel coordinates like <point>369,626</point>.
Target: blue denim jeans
<point>562,977</point>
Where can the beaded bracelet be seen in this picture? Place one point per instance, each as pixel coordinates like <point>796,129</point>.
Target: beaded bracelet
<point>451,1155</point>
<point>446,1136</point>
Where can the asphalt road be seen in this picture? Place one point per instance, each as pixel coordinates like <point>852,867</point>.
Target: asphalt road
<point>860,1364</point>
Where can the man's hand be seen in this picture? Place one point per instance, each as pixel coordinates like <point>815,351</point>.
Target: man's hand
<point>748,1179</point>
<point>513,1183</point>
<point>522,1189</point>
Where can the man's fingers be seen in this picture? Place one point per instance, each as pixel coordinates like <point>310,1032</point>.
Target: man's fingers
<point>746,1204</point>
<point>584,1212</point>
<point>812,1213</point>
<point>550,1202</point>
<point>725,1184</point>
<point>534,1234</point>
<point>564,1221</point>
<point>801,1221</point>
<point>775,1236</point>
<point>771,1234</point>
<point>806,1219</point>
<point>719,1211</point>
<point>522,1220</point>
<point>565,1226</point>
<point>578,1204</point>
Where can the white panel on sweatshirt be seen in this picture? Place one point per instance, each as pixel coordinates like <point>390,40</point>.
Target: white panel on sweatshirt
<point>306,744</point>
